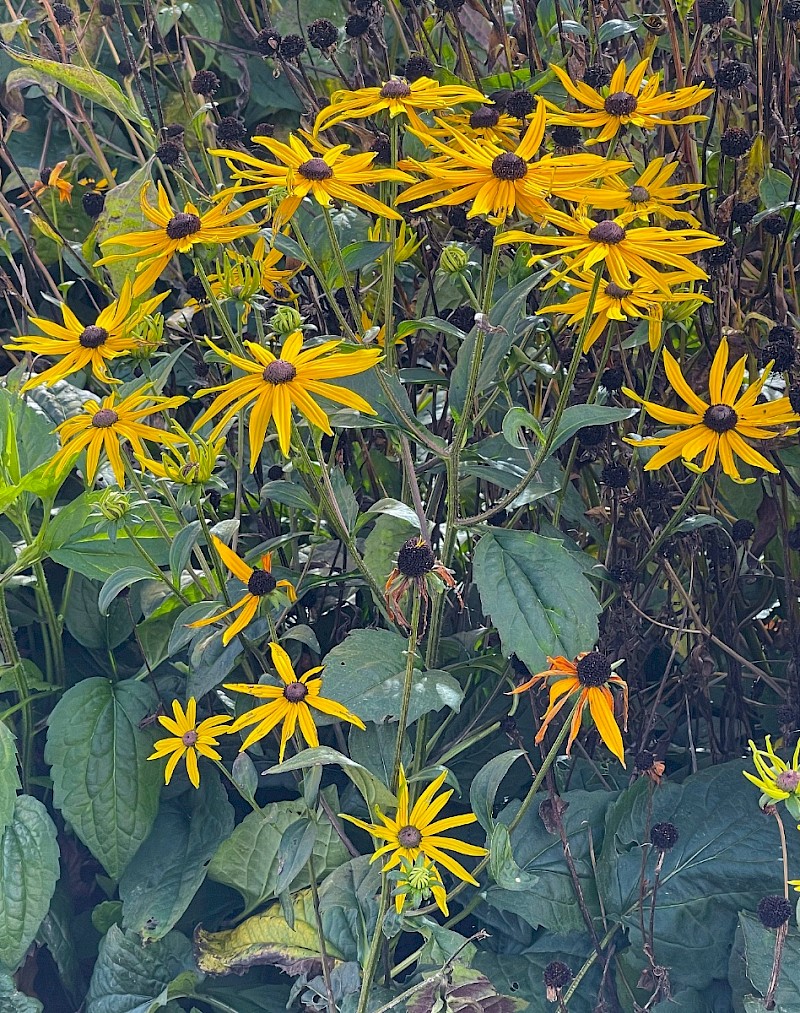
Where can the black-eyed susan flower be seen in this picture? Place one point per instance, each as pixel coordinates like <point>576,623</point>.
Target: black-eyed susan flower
<point>289,703</point>
<point>649,194</point>
<point>105,427</point>
<point>93,346</point>
<point>277,382</point>
<point>176,232</point>
<point>397,97</point>
<point>189,740</point>
<point>241,277</point>
<point>417,567</point>
<point>721,426</point>
<point>626,100</point>
<point>487,123</point>
<point>587,680</point>
<point>626,252</point>
<point>49,179</point>
<point>415,830</point>
<point>416,882</point>
<point>190,464</point>
<point>640,300</point>
<point>260,586</point>
<point>778,780</point>
<point>309,170</point>
<point>498,181</point>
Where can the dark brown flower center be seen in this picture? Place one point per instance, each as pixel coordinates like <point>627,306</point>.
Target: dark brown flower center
<point>315,169</point>
<point>509,166</point>
<point>788,780</point>
<point>720,418</point>
<point>45,174</point>
<point>396,89</point>
<point>104,418</point>
<point>93,336</point>
<point>607,232</point>
<point>279,371</point>
<point>189,738</point>
<point>486,116</point>
<point>295,692</point>
<point>409,837</point>
<point>261,582</point>
<point>182,225</point>
<point>594,670</point>
<point>639,195</point>
<point>621,103</point>
<point>616,292</point>
<point>415,558</point>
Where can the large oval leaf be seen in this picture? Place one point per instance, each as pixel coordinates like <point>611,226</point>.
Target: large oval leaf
<point>28,874</point>
<point>102,782</point>
<point>536,593</point>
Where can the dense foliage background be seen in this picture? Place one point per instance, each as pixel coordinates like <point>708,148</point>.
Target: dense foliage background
<point>494,512</point>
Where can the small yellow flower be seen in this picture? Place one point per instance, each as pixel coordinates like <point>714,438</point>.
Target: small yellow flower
<point>104,427</point>
<point>649,194</point>
<point>176,232</point>
<point>627,100</point>
<point>416,831</point>
<point>721,426</point>
<point>290,703</point>
<point>260,584</point>
<point>77,347</point>
<point>190,739</point>
<point>590,676</point>
<point>416,882</point>
<point>193,466</point>
<point>406,242</point>
<point>49,179</point>
<point>275,383</point>
<point>778,780</point>
<point>398,97</point>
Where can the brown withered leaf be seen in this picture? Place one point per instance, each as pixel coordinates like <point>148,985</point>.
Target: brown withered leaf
<point>464,991</point>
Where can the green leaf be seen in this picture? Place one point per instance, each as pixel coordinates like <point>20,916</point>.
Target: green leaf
<point>129,976</point>
<point>579,416</point>
<point>88,626</point>
<point>265,939</point>
<point>366,673</point>
<point>12,1001</point>
<point>297,844</point>
<point>159,884</point>
<point>614,29</point>
<point>349,907</point>
<point>102,782</point>
<point>88,83</point>
<point>118,582</point>
<point>537,596</point>
<point>28,874</point>
<point>485,785</point>
<point>60,933</point>
<point>774,188</point>
<point>381,544</point>
<point>502,865</point>
<point>516,419</point>
<point>249,860</point>
<point>10,783</point>
<point>345,498</point>
<point>96,557</point>
<point>759,953</point>
<point>122,213</point>
<point>373,791</point>
<point>723,862</point>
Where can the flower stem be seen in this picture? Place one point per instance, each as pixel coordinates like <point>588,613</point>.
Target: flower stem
<point>411,653</point>
<point>374,949</point>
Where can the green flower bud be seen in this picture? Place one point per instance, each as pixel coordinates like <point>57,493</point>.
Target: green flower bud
<point>453,259</point>
<point>114,504</point>
<point>149,336</point>
<point>285,320</point>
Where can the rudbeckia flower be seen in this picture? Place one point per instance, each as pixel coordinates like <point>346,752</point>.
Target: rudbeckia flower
<point>498,181</point>
<point>640,300</point>
<point>191,464</point>
<point>93,346</point>
<point>275,383</point>
<point>649,194</point>
<point>260,584</point>
<point>625,101</point>
<point>290,703</point>
<point>721,426</point>
<point>416,831</point>
<point>176,232</point>
<point>398,97</point>
<point>190,739</point>
<point>778,780</point>
<point>589,678</point>
<point>49,179</point>
<point>318,171</point>
<point>104,427</point>
<point>486,123</point>
<point>643,252</point>
<point>416,882</point>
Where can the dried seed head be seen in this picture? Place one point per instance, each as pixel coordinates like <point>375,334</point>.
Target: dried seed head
<point>742,530</point>
<point>417,66</point>
<point>170,153</point>
<point>566,137</point>
<point>774,911</point>
<point>615,476</point>
<point>415,558</point>
<point>735,142</point>
<point>63,14</point>
<point>322,34</point>
<point>291,47</point>
<point>205,83</point>
<point>557,975</point>
<point>93,203</point>
<point>268,41</point>
<point>596,76</point>
<point>664,836</point>
<point>713,11</point>
<point>732,75</point>
<point>230,130</point>
<point>520,103</point>
<point>356,26</point>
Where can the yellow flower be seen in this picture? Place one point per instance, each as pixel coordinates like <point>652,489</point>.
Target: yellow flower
<point>398,97</point>
<point>94,346</point>
<point>176,232</point>
<point>290,703</point>
<point>275,383</point>
<point>194,466</point>
<point>638,301</point>
<point>642,252</point>
<point>778,780</point>
<point>406,242</point>
<point>625,101</point>
<point>99,427</point>
<point>416,881</point>
<point>650,194</point>
<point>242,277</point>
<point>319,171</point>
<point>590,677</point>
<point>498,181</point>
<point>486,123</point>
<point>415,831</point>
<point>720,426</point>
<point>190,739</point>
<point>49,179</point>
<point>260,584</point>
